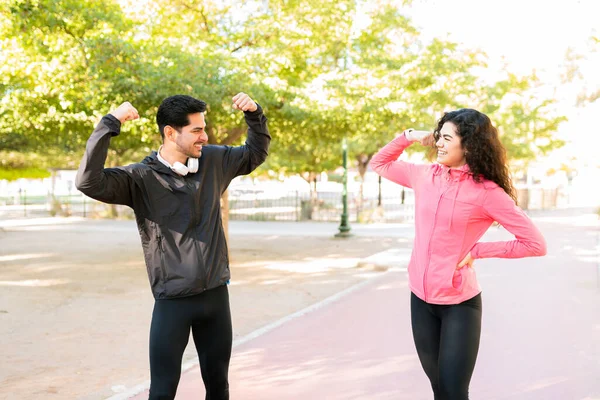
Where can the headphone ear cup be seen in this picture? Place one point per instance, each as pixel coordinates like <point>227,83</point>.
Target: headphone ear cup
<point>180,168</point>
<point>192,165</point>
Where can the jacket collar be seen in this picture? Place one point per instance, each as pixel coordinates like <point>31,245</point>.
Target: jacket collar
<point>153,162</point>
<point>455,174</point>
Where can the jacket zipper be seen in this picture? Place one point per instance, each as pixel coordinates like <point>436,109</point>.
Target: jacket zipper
<point>162,258</point>
<point>190,188</point>
<point>437,207</point>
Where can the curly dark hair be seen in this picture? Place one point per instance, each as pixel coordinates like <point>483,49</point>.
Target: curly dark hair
<point>485,154</point>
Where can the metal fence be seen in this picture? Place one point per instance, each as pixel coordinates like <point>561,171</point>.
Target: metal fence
<point>76,204</point>
<point>321,206</point>
<point>260,205</point>
<point>243,205</point>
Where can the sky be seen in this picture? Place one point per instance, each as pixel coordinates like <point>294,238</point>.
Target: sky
<point>527,36</point>
<point>531,34</point>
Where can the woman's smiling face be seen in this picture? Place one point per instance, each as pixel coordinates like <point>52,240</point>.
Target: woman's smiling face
<point>450,151</point>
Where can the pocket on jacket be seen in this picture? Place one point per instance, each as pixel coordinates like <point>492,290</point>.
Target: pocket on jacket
<point>458,279</point>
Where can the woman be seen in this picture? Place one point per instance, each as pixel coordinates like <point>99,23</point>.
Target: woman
<point>456,201</point>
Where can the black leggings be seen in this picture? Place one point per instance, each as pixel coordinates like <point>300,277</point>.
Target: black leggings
<point>447,341</point>
<point>208,316</point>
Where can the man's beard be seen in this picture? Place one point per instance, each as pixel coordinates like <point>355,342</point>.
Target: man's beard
<point>193,153</point>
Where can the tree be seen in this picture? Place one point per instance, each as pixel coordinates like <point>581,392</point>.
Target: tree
<point>399,81</point>
<point>576,73</point>
<point>320,70</point>
<point>72,61</point>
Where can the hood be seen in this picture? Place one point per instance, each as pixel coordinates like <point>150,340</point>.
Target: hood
<point>153,162</point>
<point>454,174</point>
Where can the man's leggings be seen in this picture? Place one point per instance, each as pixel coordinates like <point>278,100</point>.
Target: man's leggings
<point>209,318</point>
<point>447,341</point>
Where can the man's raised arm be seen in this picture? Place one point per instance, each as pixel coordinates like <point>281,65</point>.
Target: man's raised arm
<point>109,185</point>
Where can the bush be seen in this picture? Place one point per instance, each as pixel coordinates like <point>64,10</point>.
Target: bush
<point>29,173</point>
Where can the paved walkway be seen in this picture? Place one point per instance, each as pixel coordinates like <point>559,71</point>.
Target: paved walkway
<point>540,340</point>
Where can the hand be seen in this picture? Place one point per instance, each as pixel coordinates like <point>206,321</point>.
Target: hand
<point>423,137</point>
<point>242,101</point>
<point>125,112</point>
<point>466,262</point>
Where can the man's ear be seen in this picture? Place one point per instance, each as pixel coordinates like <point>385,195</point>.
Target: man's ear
<point>170,133</point>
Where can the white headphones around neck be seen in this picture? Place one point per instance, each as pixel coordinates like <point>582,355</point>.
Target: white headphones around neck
<point>179,168</point>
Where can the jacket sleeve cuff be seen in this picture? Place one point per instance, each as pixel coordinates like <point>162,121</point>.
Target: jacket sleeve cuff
<point>254,113</point>
<point>112,122</point>
<point>475,251</point>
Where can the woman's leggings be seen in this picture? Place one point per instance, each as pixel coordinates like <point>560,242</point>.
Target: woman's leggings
<point>209,318</point>
<point>447,341</point>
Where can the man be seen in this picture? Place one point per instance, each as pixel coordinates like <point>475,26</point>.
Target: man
<point>175,193</point>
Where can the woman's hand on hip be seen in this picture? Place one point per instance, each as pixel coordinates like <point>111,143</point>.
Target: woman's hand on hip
<point>466,262</point>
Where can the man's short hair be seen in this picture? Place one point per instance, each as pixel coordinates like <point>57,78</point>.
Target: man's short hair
<point>174,111</point>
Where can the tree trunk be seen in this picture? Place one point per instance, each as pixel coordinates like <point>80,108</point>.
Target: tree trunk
<point>363,164</point>
<point>307,207</point>
<point>53,205</point>
<point>53,186</point>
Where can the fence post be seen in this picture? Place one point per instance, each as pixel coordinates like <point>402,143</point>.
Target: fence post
<point>297,207</point>
<point>379,199</point>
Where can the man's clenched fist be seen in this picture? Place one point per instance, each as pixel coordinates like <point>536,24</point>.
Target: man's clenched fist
<point>125,112</point>
<point>242,101</point>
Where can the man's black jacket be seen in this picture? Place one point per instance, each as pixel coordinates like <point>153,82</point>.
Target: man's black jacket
<point>178,217</point>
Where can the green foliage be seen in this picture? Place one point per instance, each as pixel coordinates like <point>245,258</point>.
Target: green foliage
<point>27,173</point>
<point>322,70</point>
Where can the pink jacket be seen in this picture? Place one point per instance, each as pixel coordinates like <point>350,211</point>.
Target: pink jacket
<point>452,212</point>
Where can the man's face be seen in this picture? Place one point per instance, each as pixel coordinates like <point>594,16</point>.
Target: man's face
<point>192,137</point>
